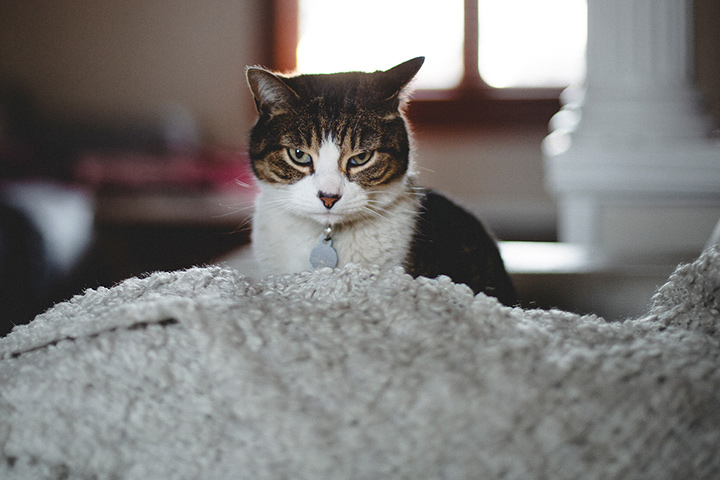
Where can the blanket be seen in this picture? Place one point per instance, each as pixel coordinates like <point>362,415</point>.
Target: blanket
<point>359,373</point>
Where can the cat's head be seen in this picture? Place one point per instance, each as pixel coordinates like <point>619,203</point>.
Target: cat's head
<point>332,147</point>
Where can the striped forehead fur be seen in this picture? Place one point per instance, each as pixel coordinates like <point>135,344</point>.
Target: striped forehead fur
<point>360,111</point>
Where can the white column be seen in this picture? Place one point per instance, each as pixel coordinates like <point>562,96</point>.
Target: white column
<point>630,157</point>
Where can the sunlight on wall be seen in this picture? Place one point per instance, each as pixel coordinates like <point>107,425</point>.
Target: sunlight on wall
<point>531,43</point>
<point>522,42</point>
<point>378,34</point>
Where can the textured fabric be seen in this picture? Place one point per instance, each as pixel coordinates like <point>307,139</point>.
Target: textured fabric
<point>357,373</point>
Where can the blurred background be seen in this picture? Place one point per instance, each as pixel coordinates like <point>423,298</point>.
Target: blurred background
<point>123,126</point>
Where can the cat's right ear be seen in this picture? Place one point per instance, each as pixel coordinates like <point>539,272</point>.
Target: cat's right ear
<point>271,94</point>
<point>398,77</point>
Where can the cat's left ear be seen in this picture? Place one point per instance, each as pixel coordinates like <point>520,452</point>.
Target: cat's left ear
<point>397,78</point>
<point>271,94</point>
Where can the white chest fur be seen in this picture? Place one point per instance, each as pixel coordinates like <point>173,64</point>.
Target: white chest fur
<point>282,240</point>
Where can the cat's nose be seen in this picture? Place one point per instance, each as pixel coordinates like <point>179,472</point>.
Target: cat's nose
<point>328,199</point>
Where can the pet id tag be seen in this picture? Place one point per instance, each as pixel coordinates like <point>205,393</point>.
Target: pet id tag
<point>324,255</point>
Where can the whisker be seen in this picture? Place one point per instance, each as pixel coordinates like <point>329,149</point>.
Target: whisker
<point>373,213</point>
<point>243,184</point>
<point>234,210</point>
<point>244,226</point>
<point>424,168</point>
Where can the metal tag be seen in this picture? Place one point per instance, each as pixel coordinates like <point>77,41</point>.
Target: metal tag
<point>324,255</point>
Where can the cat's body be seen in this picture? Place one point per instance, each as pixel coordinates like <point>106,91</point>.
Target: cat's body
<point>332,154</point>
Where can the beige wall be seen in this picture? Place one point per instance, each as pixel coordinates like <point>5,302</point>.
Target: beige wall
<point>134,57</point>
<point>495,172</point>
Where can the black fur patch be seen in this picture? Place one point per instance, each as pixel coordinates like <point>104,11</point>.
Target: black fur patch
<point>451,241</point>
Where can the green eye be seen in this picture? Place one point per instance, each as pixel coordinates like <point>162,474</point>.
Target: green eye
<point>360,159</point>
<point>299,157</point>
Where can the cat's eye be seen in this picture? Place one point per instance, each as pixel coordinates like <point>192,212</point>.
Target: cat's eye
<point>360,159</point>
<point>299,157</point>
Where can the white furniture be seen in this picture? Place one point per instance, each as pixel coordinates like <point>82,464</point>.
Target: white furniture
<point>630,158</point>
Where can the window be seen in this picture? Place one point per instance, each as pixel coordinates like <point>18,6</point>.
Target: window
<point>372,41</point>
<point>543,47</point>
<point>486,60</point>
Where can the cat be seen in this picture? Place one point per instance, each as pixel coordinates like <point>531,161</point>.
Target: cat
<point>332,155</point>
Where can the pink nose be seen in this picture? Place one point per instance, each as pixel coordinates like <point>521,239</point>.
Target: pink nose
<point>328,199</point>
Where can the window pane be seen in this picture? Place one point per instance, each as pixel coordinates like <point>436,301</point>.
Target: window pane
<point>532,43</point>
<point>378,34</point>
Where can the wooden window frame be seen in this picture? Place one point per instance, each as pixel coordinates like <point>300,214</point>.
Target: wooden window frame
<point>471,103</point>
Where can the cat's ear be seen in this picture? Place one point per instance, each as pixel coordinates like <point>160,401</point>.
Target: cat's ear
<point>271,94</point>
<point>397,78</point>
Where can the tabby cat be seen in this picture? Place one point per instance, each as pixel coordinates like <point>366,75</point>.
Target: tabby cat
<point>333,158</point>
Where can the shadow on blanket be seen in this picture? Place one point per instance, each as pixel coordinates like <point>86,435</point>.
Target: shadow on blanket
<point>355,373</point>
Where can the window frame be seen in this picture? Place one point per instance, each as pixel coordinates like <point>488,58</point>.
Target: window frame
<point>471,103</point>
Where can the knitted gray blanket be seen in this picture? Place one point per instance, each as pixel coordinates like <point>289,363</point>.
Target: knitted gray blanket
<point>357,373</point>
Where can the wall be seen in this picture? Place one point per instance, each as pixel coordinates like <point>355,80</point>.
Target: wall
<point>133,58</point>
<point>497,173</point>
